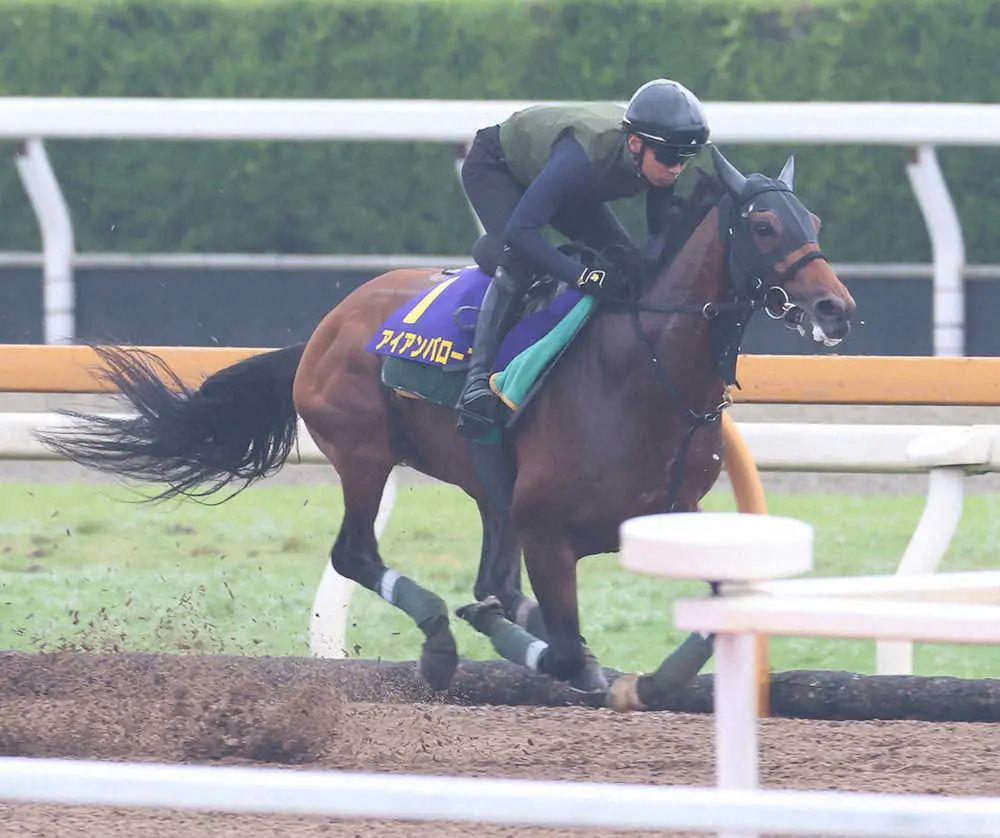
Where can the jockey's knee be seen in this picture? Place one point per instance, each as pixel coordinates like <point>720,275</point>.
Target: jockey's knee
<point>486,252</point>
<point>515,270</point>
<point>491,253</point>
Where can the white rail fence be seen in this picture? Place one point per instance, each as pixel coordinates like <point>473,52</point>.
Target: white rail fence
<point>515,802</point>
<point>749,555</point>
<point>948,454</point>
<point>920,127</point>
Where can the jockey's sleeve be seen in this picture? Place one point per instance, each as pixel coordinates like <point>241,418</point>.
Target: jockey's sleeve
<point>563,180</point>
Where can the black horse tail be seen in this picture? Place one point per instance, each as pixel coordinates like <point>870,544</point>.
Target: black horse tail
<point>240,425</point>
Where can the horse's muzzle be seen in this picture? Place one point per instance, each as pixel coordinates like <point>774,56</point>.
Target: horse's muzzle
<point>831,320</point>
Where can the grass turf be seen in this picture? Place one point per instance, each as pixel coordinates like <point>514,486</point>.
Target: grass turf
<point>85,567</point>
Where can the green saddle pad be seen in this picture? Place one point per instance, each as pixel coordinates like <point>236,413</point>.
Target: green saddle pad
<point>422,380</point>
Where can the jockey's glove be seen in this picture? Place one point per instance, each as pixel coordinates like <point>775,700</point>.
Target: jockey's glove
<point>596,280</point>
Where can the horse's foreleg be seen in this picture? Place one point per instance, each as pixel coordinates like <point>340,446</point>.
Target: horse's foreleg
<point>500,571</point>
<point>551,565</point>
<point>675,673</point>
<point>439,656</point>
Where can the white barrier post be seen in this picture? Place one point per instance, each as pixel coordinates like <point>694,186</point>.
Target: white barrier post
<point>942,608</point>
<point>947,249</point>
<point>56,226</point>
<point>949,454</point>
<point>722,548</point>
<point>328,626</point>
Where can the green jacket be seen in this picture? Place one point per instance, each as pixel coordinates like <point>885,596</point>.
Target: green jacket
<point>527,138</point>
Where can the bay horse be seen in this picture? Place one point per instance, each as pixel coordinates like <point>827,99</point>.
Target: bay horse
<point>626,424</point>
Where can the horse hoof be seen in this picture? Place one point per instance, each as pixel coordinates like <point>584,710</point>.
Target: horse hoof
<point>439,658</point>
<point>590,679</point>
<point>623,697</point>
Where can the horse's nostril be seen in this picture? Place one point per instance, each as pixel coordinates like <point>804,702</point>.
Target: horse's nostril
<point>830,308</point>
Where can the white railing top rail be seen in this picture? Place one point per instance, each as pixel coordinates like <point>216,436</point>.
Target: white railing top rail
<point>456,121</point>
<point>490,800</point>
<point>918,125</point>
<point>774,446</point>
<point>95,260</point>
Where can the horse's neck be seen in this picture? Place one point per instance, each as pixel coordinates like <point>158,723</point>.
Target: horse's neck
<point>697,273</point>
<point>682,340</point>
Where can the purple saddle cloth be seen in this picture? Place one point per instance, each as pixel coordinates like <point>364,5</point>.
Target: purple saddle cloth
<point>437,326</point>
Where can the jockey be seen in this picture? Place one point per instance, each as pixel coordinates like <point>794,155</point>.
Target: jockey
<point>557,165</point>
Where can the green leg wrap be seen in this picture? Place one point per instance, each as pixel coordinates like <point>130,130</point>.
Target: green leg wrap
<point>423,606</point>
<point>517,645</point>
<point>686,661</point>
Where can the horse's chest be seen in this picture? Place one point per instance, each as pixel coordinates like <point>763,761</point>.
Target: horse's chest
<point>678,472</point>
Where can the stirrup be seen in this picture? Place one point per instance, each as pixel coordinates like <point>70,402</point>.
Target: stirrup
<point>478,401</point>
<point>478,410</point>
<point>476,392</point>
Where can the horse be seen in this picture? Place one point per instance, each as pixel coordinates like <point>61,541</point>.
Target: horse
<point>626,424</point>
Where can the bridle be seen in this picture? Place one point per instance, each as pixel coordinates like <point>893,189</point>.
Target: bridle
<point>746,264</point>
<point>728,318</point>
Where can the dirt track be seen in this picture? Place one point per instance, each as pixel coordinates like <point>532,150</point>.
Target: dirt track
<point>262,713</point>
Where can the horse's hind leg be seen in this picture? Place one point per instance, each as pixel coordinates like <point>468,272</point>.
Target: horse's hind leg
<point>562,654</point>
<point>500,571</point>
<point>355,555</point>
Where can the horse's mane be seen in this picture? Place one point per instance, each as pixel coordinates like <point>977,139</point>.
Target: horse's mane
<point>698,190</point>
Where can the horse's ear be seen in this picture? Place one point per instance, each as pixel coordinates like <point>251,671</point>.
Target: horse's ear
<point>728,173</point>
<point>787,175</point>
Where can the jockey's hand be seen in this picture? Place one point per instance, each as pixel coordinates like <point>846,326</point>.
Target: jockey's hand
<point>598,280</point>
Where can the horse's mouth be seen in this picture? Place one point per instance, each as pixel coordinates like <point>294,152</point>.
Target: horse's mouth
<point>798,319</point>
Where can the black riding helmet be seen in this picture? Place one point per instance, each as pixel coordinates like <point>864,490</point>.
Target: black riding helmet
<point>666,113</point>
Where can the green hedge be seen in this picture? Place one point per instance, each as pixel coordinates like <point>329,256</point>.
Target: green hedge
<point>353,197</point>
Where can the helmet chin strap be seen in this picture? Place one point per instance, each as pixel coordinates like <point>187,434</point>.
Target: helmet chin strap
<point>638,157</point>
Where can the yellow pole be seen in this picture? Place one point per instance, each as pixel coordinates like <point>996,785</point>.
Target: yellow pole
<point>775,379</point>
<point>30,368</point>
<point>749,491</point>
<point>846,379</point>
<point>742,470</point>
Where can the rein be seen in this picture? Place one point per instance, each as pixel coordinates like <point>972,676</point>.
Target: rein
<point>697,420</point>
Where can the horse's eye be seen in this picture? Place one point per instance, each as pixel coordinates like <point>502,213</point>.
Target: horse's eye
<point>763,228</point>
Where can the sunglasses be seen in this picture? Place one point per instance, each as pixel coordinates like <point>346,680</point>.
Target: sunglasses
<point>671,155</point>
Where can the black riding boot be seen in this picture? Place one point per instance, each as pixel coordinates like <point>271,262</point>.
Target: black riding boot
<point>478,405</point>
